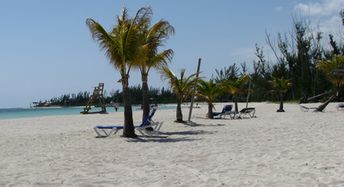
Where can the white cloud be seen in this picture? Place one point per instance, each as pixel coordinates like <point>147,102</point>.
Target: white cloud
<point>321,8</point>
<point>323,14</point>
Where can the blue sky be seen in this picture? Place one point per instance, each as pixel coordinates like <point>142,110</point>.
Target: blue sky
<point>46,49</point>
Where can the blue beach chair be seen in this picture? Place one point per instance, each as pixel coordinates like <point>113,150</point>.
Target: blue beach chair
<point>227,110</point>
<point>148,127</point>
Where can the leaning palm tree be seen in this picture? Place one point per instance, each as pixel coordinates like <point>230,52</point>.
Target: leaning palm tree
<point>121,46</point>
<point>332,69</point>
<point>151,38</point>
<point>280,86</point>
<point>208,90</point>
<point>234,87</point>
<point>182,87</point>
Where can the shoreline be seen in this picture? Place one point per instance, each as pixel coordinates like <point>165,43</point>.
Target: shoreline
<point>20,113</point>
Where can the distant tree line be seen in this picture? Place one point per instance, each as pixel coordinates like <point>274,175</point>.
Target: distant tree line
<point>156,95</point>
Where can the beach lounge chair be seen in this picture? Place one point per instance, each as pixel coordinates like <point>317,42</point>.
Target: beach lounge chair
<point>340,106</point>
<point>227,110</point>
<point>306,108</point>
<point>247,112</point>
<point>105,131</point>
<point>148,127</point>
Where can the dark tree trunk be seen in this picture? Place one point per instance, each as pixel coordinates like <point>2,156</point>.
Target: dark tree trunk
<point>210,111</point>
<point>324,105</point>
<point>145,99</point>
<point>281,104</point>
<point>179,113</point>
<point>129,130</point>
<point>235,104</point>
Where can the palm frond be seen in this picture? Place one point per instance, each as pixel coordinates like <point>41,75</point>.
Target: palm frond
<point>105,39</point>
<point>182,86</point>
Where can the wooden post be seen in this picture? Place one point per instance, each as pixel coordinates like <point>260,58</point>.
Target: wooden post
<point>193,94</point>
<point>248,93</point>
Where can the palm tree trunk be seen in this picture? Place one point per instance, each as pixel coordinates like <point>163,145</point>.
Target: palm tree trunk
<point>324,105</point>
<point>128,130</point>
<point>235,104</point>
<point>145,99</point>
<point>179,113</point>
<point>281,104</point>
<point>210,111</point>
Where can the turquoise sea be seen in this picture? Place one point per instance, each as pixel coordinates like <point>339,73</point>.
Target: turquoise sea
<point>14,113</point>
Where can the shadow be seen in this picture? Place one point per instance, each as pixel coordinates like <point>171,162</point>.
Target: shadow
<point>188,132</point>
<point>194,124</point>
<point>160,140</point>
<point>224,118</point>
<point>101,136</point>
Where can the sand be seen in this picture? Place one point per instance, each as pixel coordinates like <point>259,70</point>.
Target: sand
<point>275,149</point>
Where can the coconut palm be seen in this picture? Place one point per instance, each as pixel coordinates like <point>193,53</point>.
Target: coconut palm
<point>280,86</point>
<point>151,38</point>
<point>234,87</point>
<point>208,90</point>
<point>121,46</point>
<point>182,87</point>
<point>332,69</point>
<point>329,66</point>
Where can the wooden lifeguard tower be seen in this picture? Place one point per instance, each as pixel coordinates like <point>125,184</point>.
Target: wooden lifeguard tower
<point>98,95</point>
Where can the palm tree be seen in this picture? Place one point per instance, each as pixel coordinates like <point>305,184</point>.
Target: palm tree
<point>121,46</point>
<point>181,86</point>
<point>151,39</point>
<point>332,68</point>
<point>208,90</point>
<point>329,67</point>
<point>280,86</point>
<point>234,87</point>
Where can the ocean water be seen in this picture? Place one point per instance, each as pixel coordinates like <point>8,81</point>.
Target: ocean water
<point>14,113</point>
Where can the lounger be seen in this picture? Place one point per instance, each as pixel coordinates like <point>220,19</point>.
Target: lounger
<point>247,112</point>
<point>151,129</point>
<point>340,106</point>
<point>306,108</point>
<point>226,111</point>
<point>105,131</point>
<point>148,127</point>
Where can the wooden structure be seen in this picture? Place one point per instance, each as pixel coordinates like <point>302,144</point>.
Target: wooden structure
<point>98,95</point>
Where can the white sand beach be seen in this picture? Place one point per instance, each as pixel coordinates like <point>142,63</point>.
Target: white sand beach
<point>294,148</point>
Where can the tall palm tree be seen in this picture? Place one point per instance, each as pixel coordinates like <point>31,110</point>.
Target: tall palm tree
<point>208,90</point>
<point>280,86</point>
<point>151,39</point>
<point>182,87</point>
<point>234,87</point>
<point>330,68</point>
<point>121,46</point>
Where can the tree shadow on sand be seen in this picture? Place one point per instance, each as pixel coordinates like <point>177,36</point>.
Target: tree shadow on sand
<point>163,137</point>
<point>160,139</point>
<point>194,124</point>
<point>191,132</point>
